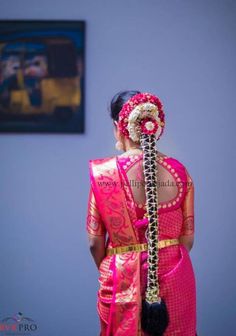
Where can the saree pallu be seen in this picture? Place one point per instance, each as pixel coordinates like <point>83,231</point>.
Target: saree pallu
<point>123,276</point>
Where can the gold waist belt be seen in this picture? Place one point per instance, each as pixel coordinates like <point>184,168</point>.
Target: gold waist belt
<point>140,247</point>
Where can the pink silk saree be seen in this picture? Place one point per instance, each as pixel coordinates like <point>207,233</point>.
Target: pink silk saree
<point>112,210</point>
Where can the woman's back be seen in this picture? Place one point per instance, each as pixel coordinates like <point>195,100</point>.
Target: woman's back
<point>174,186</point>
<point>167,186</point>
<point>172,194</point>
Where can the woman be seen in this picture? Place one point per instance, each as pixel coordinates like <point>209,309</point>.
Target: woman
<point>142,201</point>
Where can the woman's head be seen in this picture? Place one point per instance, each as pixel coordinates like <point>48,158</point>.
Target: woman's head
<point>134,113</point>
<point>116,105</point>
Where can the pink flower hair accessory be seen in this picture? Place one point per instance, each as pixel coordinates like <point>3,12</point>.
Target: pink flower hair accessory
<point>143,113</point>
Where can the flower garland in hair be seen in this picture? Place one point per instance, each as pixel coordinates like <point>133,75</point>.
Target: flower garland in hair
<point>143,113</point>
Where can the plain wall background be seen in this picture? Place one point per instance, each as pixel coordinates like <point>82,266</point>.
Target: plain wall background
<point>183,51</point>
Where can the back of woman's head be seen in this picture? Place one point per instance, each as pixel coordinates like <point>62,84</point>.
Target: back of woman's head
<point>118,101</point>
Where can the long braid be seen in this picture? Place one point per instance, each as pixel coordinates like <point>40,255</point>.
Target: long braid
<point>155,316</point>
<point>142,120</point>
<point>148,144</point>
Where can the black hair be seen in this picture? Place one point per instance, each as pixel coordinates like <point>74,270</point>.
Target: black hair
<point>118,101</point>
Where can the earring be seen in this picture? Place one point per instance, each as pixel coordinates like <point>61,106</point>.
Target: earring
<point>119,146</point>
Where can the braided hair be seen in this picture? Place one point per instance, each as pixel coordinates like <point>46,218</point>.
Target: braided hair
<point>141,118</point>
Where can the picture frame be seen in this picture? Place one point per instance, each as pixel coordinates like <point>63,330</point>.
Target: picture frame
<point>42,76</point>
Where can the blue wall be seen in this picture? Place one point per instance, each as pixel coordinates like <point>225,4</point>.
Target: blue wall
<point>184,51</point>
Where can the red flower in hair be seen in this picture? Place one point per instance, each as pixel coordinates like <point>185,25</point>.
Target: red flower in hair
<point>149,126</point>
<point>133,102</point>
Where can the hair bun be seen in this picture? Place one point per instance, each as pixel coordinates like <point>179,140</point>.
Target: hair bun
<point>142,114</point>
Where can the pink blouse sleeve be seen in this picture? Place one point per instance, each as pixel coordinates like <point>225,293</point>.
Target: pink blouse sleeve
<point>188,208</point>
<point>94,225</point>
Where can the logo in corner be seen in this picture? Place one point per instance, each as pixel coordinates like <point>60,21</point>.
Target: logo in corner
<point>17,324</point>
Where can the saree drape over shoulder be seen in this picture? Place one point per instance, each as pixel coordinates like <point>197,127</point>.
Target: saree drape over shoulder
<point>113,210</point>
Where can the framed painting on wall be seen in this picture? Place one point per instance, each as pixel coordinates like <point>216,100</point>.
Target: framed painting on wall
<point>42,76</point>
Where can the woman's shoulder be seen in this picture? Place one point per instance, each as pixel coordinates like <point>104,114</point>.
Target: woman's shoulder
<point>175,160</point>
<point>103,159</point>
<point>179,165</point>
<point>101,167</point>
